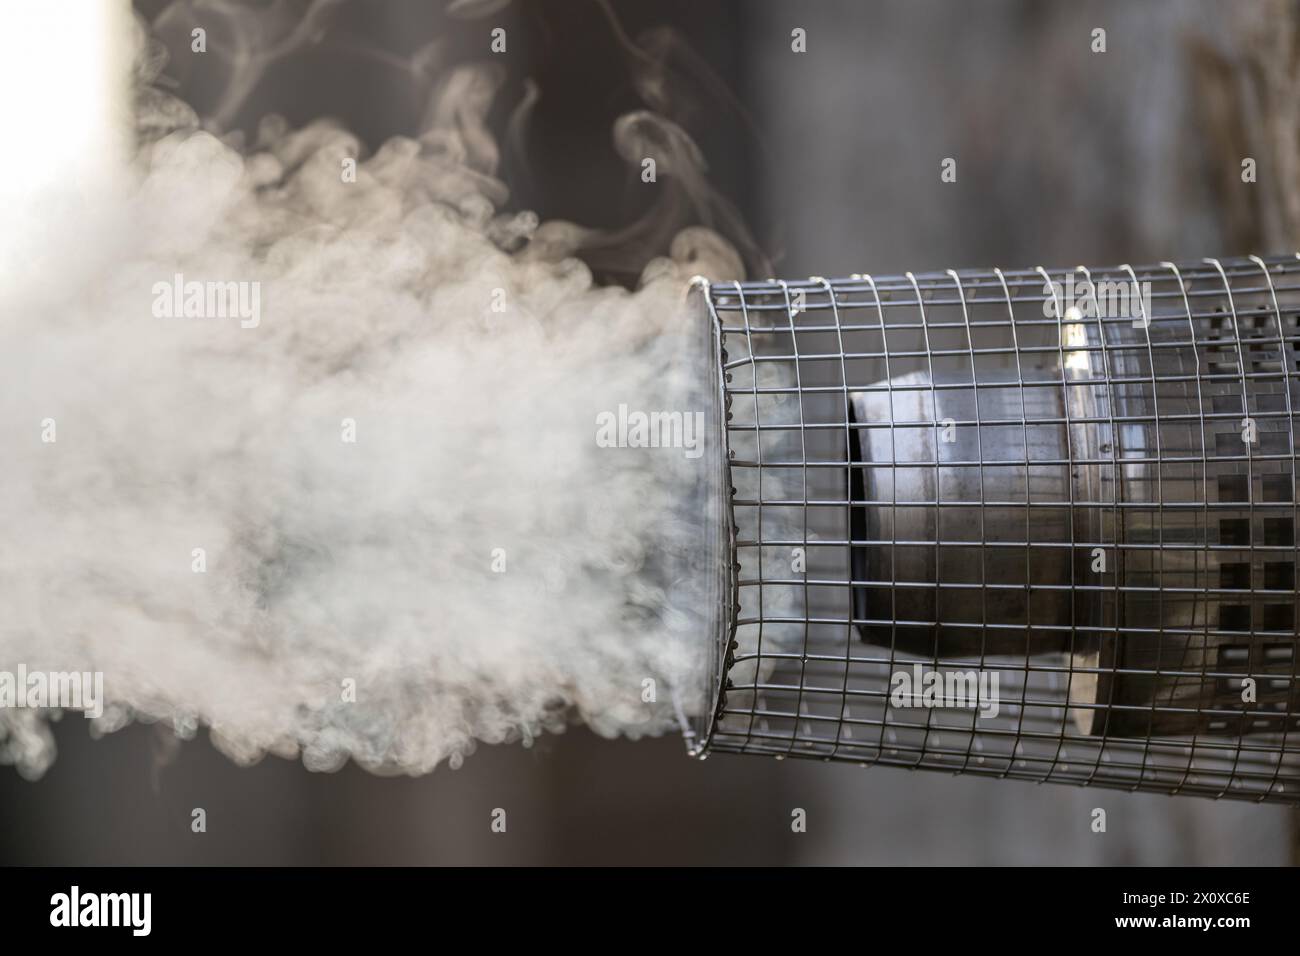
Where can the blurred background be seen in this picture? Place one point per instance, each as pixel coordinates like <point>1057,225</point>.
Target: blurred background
<point>824,162</point>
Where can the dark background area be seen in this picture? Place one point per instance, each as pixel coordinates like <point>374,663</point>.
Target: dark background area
<point>833,156</point>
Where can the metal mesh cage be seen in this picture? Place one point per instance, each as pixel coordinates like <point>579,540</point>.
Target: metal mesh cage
<point>1023,524</point>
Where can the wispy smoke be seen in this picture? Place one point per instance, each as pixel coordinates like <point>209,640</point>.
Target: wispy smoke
<point>472,567</point>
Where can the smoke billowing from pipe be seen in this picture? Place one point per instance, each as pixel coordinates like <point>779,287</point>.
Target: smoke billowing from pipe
<point>361,512</point>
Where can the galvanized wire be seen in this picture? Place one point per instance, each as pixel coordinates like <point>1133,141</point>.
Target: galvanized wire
<point>1080,482</point>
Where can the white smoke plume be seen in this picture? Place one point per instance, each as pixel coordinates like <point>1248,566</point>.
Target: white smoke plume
<point>474,564</point>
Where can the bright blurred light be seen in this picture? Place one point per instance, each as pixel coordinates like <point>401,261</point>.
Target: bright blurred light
<point>63,109</point>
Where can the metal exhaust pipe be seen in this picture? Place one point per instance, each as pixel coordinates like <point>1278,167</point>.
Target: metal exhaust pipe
<point>1030,524</point>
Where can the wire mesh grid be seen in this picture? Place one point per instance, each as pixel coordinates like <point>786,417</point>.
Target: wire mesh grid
<point>1026,524</point>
